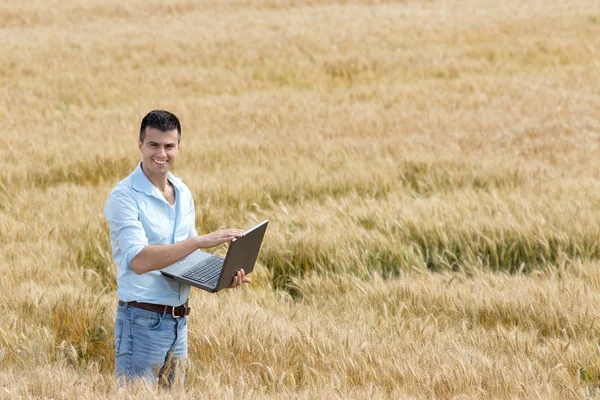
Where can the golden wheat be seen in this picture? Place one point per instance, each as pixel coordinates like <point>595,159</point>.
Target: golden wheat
<point>430,170</point>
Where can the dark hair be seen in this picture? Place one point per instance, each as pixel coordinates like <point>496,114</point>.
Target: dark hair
<point>162,120</point>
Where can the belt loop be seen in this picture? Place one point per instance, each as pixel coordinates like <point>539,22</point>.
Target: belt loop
<point>165,312</point>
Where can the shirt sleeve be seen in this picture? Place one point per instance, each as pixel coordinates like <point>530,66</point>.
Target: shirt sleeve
<point>122,214</point>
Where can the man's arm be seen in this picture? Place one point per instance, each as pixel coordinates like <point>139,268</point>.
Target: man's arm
<point>153,257</point>
<point>122,215</point>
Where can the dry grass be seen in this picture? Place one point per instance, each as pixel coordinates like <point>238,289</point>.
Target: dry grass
<point>430,170</point>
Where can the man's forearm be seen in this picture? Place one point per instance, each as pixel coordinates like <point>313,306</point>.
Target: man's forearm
<point>155,257</point>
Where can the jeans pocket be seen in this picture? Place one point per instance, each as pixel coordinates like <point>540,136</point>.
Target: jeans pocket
<point>147,321</point>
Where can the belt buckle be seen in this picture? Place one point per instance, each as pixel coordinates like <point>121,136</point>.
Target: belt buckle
<point>178,316</point>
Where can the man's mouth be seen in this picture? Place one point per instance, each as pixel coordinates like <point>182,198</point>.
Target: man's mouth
<point>159,162</point>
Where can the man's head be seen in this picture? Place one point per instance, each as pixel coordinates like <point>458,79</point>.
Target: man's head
<point>160,135</point>
<point>161,120</point>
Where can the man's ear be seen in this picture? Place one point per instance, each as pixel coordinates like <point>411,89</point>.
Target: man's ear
<point>140,144</point>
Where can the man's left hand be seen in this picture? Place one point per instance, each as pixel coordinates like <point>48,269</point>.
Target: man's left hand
<point>239,279</point>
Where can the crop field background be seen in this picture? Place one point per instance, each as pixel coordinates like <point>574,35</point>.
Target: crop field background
<point>431,171</point>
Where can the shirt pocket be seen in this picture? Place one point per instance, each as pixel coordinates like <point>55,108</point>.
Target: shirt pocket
<point>158,227</point>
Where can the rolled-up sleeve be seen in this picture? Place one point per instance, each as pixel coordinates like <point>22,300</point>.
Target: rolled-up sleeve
<point>126,230</point>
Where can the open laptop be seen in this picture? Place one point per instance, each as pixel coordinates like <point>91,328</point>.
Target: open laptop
<point>213,273</point>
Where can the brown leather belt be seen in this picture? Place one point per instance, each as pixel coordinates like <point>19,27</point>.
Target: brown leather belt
<point>175,312</point>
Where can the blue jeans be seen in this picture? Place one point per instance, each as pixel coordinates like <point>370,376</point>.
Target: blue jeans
<point>150,345</point>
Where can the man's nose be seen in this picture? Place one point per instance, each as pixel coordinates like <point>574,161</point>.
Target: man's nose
<point>161,151</point>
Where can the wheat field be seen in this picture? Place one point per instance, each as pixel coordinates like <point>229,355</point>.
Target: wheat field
<point>430,170</point>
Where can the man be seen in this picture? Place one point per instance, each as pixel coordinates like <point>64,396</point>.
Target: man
<point>152,225</point>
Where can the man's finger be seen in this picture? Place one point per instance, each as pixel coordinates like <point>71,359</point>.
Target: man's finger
<point>245,279</point>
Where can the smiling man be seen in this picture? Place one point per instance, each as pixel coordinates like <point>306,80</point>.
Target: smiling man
<point>152,225</point>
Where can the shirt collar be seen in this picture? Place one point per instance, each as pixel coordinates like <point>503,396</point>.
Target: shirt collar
<point>141,183</point>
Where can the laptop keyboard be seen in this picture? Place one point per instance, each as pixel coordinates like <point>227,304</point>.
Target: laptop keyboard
<point>205,270</point>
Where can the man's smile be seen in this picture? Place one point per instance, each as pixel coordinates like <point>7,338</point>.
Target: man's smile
<point>159,162</point>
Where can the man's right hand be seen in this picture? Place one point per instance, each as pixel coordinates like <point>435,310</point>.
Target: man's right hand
<point>216,238</point>
<point>155,257</point>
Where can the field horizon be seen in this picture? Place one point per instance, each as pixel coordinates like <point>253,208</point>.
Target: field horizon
<point>430,171</point>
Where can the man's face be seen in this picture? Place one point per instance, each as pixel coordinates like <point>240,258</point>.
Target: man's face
<point>159,150</point>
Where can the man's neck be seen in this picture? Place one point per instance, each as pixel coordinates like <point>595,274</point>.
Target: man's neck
<point>160,181</point>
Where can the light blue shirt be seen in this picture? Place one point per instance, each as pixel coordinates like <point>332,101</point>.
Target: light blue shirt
<point>138,215</point>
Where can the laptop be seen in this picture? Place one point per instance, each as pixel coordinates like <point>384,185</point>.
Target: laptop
<point>213,273</point>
